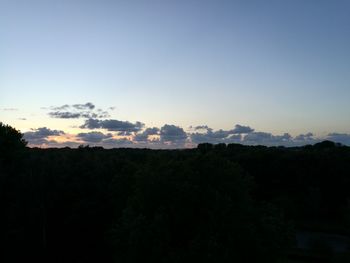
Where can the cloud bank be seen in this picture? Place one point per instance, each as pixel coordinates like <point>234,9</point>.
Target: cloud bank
<point>112,133</point>
<point>98,129</point>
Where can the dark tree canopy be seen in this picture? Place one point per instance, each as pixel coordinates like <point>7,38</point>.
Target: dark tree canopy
<point>196,210</point>
<point>223,203</point>
<point>10,138</point>
<point>11,143</point>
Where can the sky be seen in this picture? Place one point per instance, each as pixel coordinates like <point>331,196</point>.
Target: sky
<point>172,74</point>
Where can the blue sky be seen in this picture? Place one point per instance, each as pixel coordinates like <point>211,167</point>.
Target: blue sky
<point>276,66</point>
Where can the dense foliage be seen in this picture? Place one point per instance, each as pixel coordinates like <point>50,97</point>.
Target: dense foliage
<point>11,143</point>
<point>217,203</point>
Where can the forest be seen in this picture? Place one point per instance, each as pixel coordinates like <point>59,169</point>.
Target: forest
<point>213,203</point>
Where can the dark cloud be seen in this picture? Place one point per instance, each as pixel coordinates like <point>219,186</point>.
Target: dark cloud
<point>210,136</point>
<point>125,133</point>
<point>264,138</point>
<point>201,127</point>
<point>86,106</point>
<point>76,111</point>
<point>219,136</point>
<point>102,113</point>
<point>43,132</point>
<point>40,135</point>
<point>258,138</point>
<point>201,138</point>
<point>152,131</point>
<point>94,137</point>
<point>64,115</point>
<point>91,124</point>
<point>63,107</point>
<point>113,125</point>
<point>22,119</point>
<point>342,138</point>
<point>304,137</point>
<point>234,138</point>
<point>172,134</point>
<point>239,129</point>
<point>168,136</point>
<point>143,137</point>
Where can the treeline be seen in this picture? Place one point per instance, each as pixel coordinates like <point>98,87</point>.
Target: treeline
<point>215,203</point>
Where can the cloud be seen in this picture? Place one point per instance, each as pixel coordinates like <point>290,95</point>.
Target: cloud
<point>112,125</point>
<point>76,111</point>
<point>22,119</point>
<point>94,137</point>
<point>268,139</point>
<point>65,115</point>
<point>172,134</point>
<point>125,133</point>
<point>219,136</point>
<point>43,132</point>
<point>239,129</point>
<point>258,137</point>
<point>40,135</point>
<point>304,137</point>
<point>210,136</point>
<point>91,124</point>
<point>63,107</point>
<point>201,127</point>
<point>342,138</point>
<point>9,109</point>
<point>152,131</point>
<point>140,137</point>
<point>234,138</point>
<point>86,106</point>
<point>168,136</point>
<point>143,137</point>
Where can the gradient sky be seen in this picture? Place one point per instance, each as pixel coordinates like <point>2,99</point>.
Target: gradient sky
<point>277,66</point>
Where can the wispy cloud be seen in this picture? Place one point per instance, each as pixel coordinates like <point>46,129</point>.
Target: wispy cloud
<point>76,111</point>
<point>9,109</point>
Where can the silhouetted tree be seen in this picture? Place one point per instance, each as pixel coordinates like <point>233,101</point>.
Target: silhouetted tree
<point>10,137</point>
<point>11,142</point>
